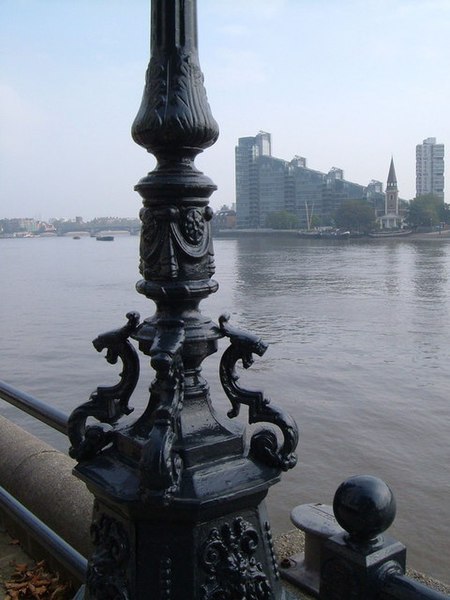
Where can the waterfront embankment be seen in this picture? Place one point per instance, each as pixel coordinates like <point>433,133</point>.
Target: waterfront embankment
<point>440,235</point>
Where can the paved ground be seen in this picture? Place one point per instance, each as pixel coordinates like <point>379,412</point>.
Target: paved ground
<point>10,554</point>
<point>21,576</point>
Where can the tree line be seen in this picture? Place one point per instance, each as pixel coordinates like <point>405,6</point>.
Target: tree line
<point>359,216</point>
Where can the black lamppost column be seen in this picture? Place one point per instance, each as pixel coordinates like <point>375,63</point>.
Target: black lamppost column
<point>179,510</point>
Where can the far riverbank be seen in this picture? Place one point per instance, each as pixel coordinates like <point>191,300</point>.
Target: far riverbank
<point>238,233</point>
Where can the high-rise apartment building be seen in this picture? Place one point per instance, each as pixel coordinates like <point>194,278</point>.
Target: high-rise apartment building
<point>265,184</point>
<point>430,168</point>
<point>248,154</point>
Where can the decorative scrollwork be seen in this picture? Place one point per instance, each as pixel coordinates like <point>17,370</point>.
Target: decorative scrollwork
<point>264,445</point>
<point>106,576</point>
<point>160,465</point>
<point>174,240</point>
<point>158,257</point>
<point>228,557</point>
<point>106,404</point>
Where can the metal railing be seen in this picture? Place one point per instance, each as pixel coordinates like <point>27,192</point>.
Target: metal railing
<point>36,408</point>
<point>401,587</point>
<point>67,556</point>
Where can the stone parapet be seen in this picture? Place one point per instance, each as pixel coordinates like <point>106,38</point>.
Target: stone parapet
<point>41,479</point>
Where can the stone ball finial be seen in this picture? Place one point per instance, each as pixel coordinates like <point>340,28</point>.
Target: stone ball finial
<point>365,507</point>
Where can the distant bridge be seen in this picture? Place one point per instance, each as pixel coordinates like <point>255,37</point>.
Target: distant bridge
<point>69,228</point>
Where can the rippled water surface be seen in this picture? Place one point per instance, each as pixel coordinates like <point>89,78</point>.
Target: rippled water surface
<point>359,354</point>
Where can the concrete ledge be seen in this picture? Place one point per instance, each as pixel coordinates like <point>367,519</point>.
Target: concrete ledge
<point>41,479</point>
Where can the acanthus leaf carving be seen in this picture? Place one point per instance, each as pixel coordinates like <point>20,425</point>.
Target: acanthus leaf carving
<point>174,110</point>
<point>228,558</point>
<point>106,576</point>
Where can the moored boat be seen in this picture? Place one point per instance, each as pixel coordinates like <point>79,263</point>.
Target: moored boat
<point>390,234</point>
<point>334,234</point>
<point>328,234</point>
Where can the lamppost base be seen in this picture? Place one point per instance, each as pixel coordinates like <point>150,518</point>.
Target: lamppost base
<point>213,542</point>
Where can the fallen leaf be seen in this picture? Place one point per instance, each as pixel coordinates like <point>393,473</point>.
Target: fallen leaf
<point>36,583</point>
<point>21,567</point>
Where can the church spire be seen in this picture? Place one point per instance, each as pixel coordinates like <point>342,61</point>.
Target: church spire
<point>392,177</point>
<point>391,196</point>
<point>391,218</point>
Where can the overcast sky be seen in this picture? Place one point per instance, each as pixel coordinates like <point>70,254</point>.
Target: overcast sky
<point>345,83</point>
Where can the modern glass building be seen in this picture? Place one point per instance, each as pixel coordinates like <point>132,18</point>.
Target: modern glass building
<point>265,184</point>
<point>249,153</point>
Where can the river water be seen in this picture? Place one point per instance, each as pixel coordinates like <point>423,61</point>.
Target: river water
<point>359,354</point>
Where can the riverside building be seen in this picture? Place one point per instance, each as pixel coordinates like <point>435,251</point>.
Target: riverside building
<point>265,184</point>
<point>430,168</point>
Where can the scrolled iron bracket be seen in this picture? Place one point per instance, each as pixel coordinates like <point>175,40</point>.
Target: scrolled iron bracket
<point>160,464</point>
<point>106,404</point>
<point>264,445</point>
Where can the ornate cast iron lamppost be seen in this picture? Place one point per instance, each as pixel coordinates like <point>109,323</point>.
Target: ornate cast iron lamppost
<point>179,511</point>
